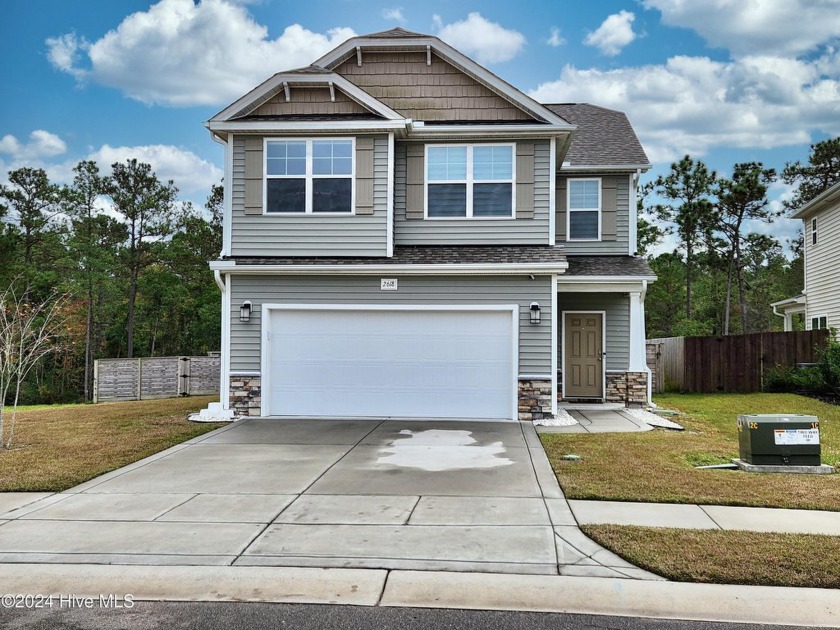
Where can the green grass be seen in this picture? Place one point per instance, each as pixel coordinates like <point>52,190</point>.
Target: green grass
<point>726,557</point>
<point>59,446</point>
<point>659,465</point>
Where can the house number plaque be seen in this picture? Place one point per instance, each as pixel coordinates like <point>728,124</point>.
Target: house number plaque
<point>388,284</point>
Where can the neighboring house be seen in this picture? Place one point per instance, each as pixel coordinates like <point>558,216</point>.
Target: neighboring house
<point>407,235</point>
<point>819,302</point>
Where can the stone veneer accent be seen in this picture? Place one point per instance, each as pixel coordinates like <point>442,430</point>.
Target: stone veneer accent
<point>245,395</point>
<point>629,388</point>
<point>534,399</point>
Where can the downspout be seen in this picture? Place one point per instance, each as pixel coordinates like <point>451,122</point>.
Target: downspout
<point>647,367</point>
<point>224,379</point>
<point>634,225</point>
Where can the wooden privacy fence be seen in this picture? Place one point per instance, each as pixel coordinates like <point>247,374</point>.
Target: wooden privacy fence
<point>736,363</point>
<point>155,377</point>
<point>670,363</point>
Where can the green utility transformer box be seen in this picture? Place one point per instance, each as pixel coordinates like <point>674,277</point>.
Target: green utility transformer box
<point>779,440</point>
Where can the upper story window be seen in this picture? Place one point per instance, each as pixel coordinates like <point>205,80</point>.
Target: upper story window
<point>472,181</point>
<point>309,176</point>
<point>814,231</point>
<point>584,205</point>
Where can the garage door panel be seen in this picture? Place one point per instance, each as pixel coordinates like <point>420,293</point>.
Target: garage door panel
<point>391,363</point>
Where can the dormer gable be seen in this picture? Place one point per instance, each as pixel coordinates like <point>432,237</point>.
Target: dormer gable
<point>425,79</point>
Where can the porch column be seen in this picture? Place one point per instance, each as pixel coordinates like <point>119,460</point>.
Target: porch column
<point>788,321</point>
<point>638,358</point>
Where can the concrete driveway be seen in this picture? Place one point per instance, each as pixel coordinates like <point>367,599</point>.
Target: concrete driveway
<point>458,496</point>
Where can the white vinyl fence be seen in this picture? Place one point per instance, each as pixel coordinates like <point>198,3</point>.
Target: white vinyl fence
<point>155,377</point>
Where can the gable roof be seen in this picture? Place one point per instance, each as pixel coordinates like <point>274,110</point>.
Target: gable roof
<point>310,76</point>
<point>820,202</point>
<point>399,39</point>
<point>604,138</point>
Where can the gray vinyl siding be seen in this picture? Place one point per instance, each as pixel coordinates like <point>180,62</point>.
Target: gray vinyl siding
<point>821,281</point>
<point>521,231</point>
<point>310,235</point>
<point>617,307</point>
<point>534,340</point>
<point>615,222</point>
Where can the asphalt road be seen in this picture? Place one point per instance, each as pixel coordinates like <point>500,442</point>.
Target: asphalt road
<point>231,616</point>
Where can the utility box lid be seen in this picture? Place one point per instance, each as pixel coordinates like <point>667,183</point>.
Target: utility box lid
<point>779,439</point>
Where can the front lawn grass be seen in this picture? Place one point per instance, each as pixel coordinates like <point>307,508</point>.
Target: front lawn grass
<point>58,447</point>
<point>726,557</point>
<point>658,465</point>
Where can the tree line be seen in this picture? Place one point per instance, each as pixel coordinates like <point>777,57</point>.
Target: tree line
<point>724,274</point>
<point>122,256</point>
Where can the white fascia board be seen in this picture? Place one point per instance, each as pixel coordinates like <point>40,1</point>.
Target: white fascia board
<point>230,267</point>
<point>459,60</point>
<point>309,126</point>
<point>593,284</point>
<point>593,168</point>
<point>420,131</point>
<point>826,197</point>
<point>269,86</point>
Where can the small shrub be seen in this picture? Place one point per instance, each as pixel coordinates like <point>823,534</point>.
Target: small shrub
<point>828,363</point>
<point>787,379</point>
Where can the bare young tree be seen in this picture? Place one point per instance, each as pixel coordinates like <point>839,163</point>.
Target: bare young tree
<point>28,333</point>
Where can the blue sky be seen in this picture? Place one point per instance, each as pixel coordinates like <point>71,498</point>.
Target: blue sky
<point>724,80</point>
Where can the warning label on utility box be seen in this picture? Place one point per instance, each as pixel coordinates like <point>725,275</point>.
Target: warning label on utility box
<point>796,436</point>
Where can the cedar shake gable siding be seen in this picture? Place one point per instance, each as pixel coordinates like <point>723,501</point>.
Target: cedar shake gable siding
<point>437,92</point>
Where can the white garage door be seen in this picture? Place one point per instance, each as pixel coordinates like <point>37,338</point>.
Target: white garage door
<point>403,363</point>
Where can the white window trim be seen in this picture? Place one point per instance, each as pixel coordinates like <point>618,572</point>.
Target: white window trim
<point>469,181</point>
<point>811,319</point>
<point>814,233</point>
<point>309,176</point>
<point>569,209</point>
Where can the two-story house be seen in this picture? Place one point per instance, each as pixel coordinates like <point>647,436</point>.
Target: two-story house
<point>819,302</point>
<point>408,235</point>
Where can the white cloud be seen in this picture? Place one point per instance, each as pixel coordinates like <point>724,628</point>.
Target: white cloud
<point>395,14</point>
<point>694,104</point>
<point>476,36</point>
<point>42,144</point>
<point>189,172</point>
<point>755,26</point>
<point>555,39</point>
<point>179,53</point>
<point>614,33</point>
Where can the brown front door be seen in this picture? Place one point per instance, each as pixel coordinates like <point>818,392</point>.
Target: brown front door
<point>583,373</point>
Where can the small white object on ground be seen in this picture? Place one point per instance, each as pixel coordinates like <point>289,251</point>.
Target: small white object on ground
<point>215,412</point>
<point>653,419</point>
<point>561,419</point>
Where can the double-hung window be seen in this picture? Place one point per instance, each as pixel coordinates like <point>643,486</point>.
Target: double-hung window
<point>820,322</point>
<point>584,209</point>
<point>472,181</point>
<point>309,176</point>
<point>814,231</point>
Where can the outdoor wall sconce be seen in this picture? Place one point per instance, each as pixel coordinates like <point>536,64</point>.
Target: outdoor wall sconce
<point>535,313</point>
<point>245,311</point>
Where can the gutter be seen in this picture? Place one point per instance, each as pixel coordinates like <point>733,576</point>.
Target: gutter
<point>230,267</point>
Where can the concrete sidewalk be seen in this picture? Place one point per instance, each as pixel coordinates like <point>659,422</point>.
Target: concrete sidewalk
<point>685,516</point>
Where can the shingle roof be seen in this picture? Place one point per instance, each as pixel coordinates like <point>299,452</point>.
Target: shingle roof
<point>394,33</point>
<point>307,70</point>
<point>605,266</point>
<point>312,117</point>
<point>434,255</point>
<point>604,136</point>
